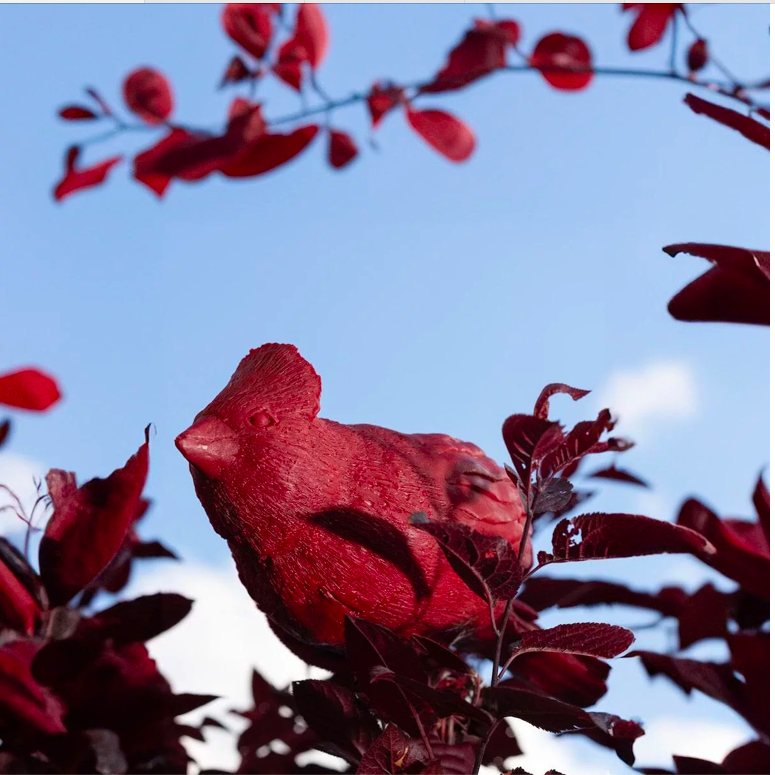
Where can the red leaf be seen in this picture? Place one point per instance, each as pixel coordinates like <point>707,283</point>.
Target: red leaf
<point>752,759</point>
<point>748,127</point>
<point>742,552</point>
<point>697,55</point>
<point>88,525</point>
<point>341,149</point>
<point>311,32</point>
<point>558,55</point>
<point>583,440</point>
<point>543,593</point>
<point>528,439</point>
<point>18,608</point>
<point>29,389</point>
<point>703,615</point>
<point>735,290</point>
<point>249,25</point>
<point>443,132</point>
<point>21,697</point>
<point>590,639</point>
<point>618,475</point>
<point>599,536</point>
<point>139,620</point>
<point>650,23</point>
<point>290,58</point>
<point>482,50</point>
<point>392,752</point>
<point>75,180</point>
<point>5,429</point>
<point>761,502</point>
<point>236,71</point>
<point>714,679</point>
<point>337,715</point>
<point>147,93</point>
<point>539,710</point>
<point>76,113</point>
<point>308,43</point>
<point>542,404</point>
<point>268,152</point>
<point>487,563</point>
<point>383,98</point>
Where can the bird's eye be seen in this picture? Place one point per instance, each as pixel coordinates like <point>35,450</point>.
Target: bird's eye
<point>262,419</point>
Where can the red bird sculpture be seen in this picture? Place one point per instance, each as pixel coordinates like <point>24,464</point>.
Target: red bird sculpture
<point>316,513</point>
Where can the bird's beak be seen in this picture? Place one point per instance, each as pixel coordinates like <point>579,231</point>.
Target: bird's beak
<point>209,445</point>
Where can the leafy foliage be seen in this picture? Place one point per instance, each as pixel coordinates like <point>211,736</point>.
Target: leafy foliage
<point>79,692</point>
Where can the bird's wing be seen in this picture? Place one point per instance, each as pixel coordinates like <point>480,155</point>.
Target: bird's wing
<point>479,491</point>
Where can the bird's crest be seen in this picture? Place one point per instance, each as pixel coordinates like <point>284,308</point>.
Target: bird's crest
<point>282,376</point>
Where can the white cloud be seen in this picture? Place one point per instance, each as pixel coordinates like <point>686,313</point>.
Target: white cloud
<point>654,393</point>
<point>19,474</point>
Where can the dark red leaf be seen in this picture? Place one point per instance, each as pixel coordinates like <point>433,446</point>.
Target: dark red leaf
<point>742,551</point>
<point>290,58</point>
<point>618,475</point>
<point>751,658</point>
<point>487,563</point>
<point>445,702</point>
<point>139,620</point>
<point>236,71</point>
<point>337,715</point>
<point>341,149</point>
<point>735,290</point>
<point>761,502</point>
<point>88,525</point>
<point>382,98</point>
<point>712,678</point>
<point>443,132</point>
<point>616,733</point>
<point>18,608</point>
<point>542,404</point>
<point>591,639</point>
<point>76,113</point>
<point>749,127</point>
<point>565,61</point>
<point>149,549</point>
<point>539,710</point>
<point>29,389</point>
<point>33,708</point>
<point>482,50</point>
<point>74,180</point>
<point>703,615</point>
<point>442,656</point>
<point>598,536</point>
<point>147,93</point>
<point>542,593</point>
<point>392,752</point>
<point>268,152</point>
<point>697,55</point>
<point>650,23</point>
<point>583,440</point>
<point>750,759</point>
<point>553,497</point>
<point>528,439</point>
<point>577,679</point>
<point>249,25</point>
<point>5,430</point>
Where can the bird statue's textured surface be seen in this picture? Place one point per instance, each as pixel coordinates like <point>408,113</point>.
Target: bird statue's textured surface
<point>316,512</point>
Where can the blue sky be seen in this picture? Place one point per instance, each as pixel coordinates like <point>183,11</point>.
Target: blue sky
<point>429,296</point>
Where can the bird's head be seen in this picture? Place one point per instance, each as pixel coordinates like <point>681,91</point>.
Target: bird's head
<point>258,422</point>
